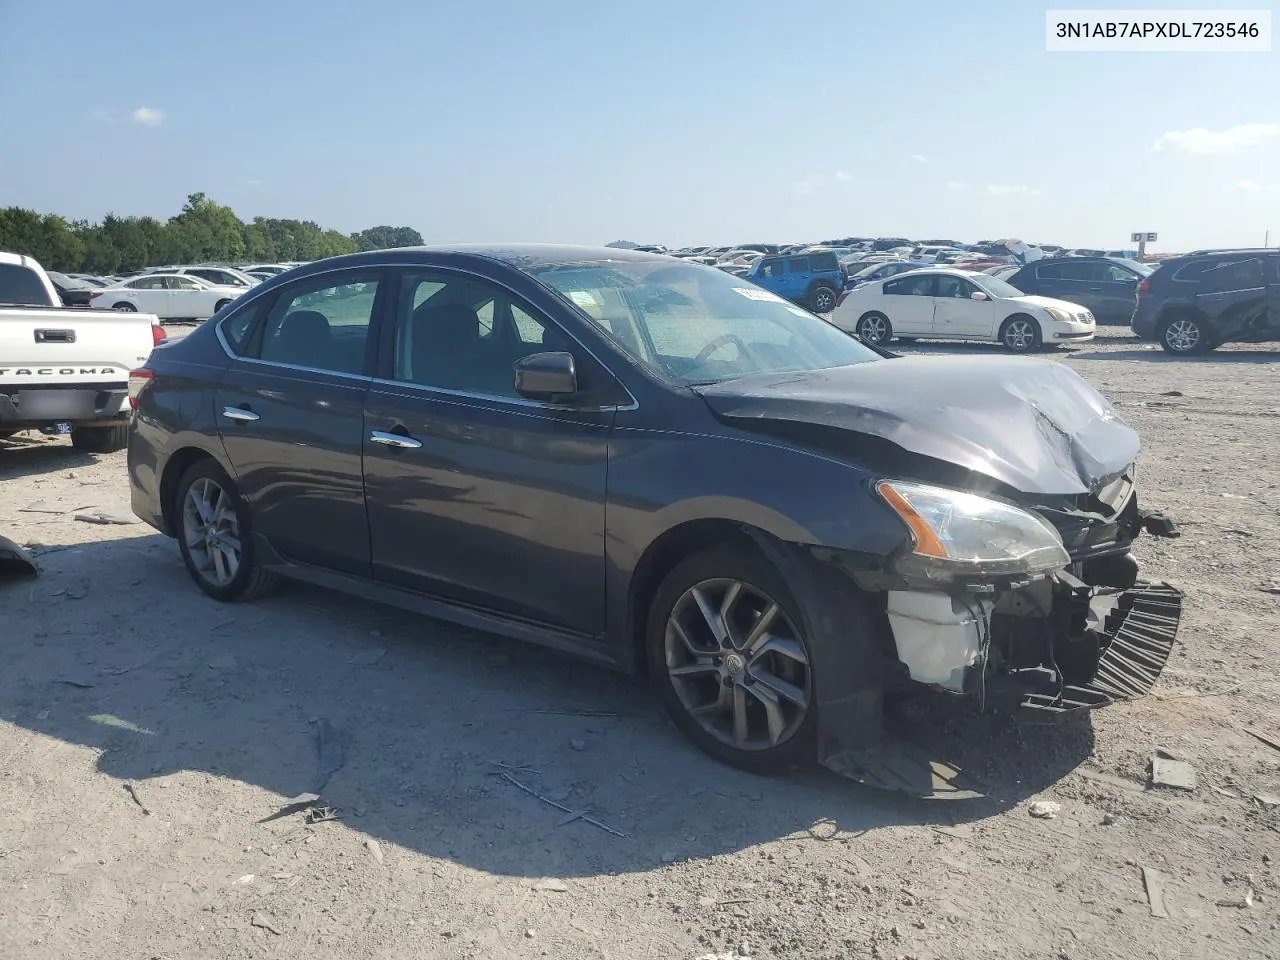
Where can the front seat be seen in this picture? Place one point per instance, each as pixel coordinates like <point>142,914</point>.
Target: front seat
<point>304,338</point>
<point>448,351</point>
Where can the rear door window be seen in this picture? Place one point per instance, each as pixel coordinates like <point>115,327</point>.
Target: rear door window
<point>797,265</point>
<point>910,286</point>
<point>322,324</point>
<point>1237,275</point>
<point>824,261</point>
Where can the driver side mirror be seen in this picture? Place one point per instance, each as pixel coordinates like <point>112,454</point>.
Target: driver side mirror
<point>546,376</point>
<point>978,295</point>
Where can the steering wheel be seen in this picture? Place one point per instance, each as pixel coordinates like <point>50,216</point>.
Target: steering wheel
<point>705,353</point>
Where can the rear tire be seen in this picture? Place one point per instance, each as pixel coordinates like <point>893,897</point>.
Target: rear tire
<point>125,307</point>
<point>215,535</point>
<point>822,299</point>
<point>740,675</point>
<point>219,305</point>
<point>1185,335</point>
<point>875,328</point>
<point>100,439</point>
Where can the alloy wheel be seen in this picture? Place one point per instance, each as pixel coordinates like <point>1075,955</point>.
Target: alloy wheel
<point>737,664</point>
<point>823,300</point>
<point>873,329</point>
<point>211,531</point>
<point>1182,336</point>
<point>1019,335</point>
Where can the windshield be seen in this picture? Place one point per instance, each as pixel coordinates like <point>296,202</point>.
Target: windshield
<point>995,286</point>
<point>695,324</point>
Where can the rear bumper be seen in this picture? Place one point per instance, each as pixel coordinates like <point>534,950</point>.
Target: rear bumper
<point>24,407</point>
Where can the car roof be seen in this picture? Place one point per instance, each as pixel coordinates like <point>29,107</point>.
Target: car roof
<point>522,256</point>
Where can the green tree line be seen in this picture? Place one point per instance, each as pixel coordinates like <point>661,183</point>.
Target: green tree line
<point>204,231</point>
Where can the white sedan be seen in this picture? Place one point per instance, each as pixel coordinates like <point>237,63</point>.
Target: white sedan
<point>169,296</point>
<point>948,304</point>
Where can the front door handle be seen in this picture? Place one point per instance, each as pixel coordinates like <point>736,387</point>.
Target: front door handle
<point>400,440</point>
<point>240,414</point>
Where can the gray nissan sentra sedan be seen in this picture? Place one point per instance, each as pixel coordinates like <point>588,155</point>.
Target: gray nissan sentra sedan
<point>662,468</point>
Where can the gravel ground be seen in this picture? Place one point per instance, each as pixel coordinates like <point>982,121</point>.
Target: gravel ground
<point>120,674</point>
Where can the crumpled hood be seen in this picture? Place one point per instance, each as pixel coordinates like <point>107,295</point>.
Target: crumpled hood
<point>1034,425</point>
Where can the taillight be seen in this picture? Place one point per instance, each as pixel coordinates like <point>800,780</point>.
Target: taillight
<point>158,336</point>
<point>138,381</point>
<point>1143,287</point>
<point>840,299</point>
<point>95,295</point>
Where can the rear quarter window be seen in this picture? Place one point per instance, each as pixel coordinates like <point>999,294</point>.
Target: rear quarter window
<point>238,329</point>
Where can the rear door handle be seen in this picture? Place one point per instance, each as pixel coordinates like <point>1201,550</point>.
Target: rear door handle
<point>400,440</point>
<point>240,414</point>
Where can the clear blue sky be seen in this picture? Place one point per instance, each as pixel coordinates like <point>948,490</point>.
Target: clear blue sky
<point>650,120</point>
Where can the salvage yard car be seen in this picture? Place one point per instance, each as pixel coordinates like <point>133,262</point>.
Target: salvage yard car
<point>65,370</point>
<point>1197,302</point>
<point>662,468</point>
<point>169,296</point>
<point>943,303</point>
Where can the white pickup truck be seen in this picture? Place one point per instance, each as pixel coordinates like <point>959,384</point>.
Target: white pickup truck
<point>65,370</point>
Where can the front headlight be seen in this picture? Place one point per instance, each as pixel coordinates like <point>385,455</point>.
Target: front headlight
<point>957,534</point>
<point>1062,316</point>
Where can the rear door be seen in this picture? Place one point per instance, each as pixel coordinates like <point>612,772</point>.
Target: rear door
<point>957,314</point>
<point>291,413</point>
<point>908,303</point>
<point>187,298</point>
<point>1116,293</point>
<point>1234,296</point>
<point>150,295</point>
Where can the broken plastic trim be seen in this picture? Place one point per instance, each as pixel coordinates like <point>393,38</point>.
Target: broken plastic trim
<point>1141,630</point>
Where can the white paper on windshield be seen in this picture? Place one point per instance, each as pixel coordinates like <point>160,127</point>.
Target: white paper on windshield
<point>584,299</point>
<point>755,293</point>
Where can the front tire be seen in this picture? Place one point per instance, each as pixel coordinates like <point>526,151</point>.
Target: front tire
<point>823,299</point>
<point>215,535</point>
<point>726,648</point>
<point>1184,335</point>
<point>100,439</point>
<point>220,304</point>
<point>1021,334</point>
<point>875,328</point>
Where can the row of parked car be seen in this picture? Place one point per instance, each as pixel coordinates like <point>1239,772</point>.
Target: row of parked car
<point>1189,303</point>
<point>174,292</point>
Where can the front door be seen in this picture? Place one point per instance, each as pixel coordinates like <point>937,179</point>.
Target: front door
<point>477,495</point>
<point>908,303</point>
<point>957,314</point>
<point>291,412</point>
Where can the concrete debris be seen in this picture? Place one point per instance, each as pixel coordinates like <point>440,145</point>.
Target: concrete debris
<point>1243,903</point>
<point>264,922</point>
<point>105,518</point>
<point>1268,800</point>
<point>1153,880</point>
<point>374,850</point>
<point>1172,773</point>
<point>551,885</point>
<point>1045,809</point>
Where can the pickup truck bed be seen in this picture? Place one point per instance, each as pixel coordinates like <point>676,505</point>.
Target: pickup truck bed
<point>67,370</point>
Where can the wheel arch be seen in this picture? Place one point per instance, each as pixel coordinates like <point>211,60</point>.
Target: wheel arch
<point>178,463</point>
<point>668,549</point>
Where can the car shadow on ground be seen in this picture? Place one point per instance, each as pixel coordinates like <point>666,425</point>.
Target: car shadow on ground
<point>31,454</point>
<point>1153,353</point>
<point>426,735</point>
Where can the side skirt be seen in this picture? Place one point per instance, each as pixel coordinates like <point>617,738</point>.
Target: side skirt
<point>578,645</point>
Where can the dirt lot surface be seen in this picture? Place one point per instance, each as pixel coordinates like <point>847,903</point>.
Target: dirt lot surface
<point>119,674</point>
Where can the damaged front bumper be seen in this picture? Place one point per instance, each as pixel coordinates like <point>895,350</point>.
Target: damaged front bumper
<point>1076,639</point>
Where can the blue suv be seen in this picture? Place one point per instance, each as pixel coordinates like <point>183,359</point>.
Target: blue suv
<point>813,280</point>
